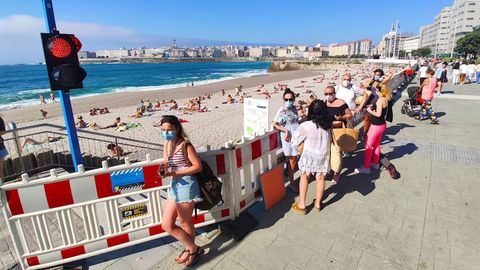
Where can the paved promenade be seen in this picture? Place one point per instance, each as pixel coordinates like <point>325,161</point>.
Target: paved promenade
<point>428,219</point>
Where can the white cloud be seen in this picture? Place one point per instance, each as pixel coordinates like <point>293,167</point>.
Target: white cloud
<point>20,37</point>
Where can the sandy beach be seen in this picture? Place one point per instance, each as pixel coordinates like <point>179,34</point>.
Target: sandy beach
<point>222,123</point>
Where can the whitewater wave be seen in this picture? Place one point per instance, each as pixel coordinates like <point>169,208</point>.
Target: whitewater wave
<point>34,91</point>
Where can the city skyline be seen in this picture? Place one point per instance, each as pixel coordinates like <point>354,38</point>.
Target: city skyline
<point>103,25</point>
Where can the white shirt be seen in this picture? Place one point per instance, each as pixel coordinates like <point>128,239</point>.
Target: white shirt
<point>347,95</point>
<point>463,69</point>
<point>423,71</point>
<point>471,68</point>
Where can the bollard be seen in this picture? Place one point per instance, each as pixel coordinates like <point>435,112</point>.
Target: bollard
<point>147,156</point>
<point>25,178</point>
<point>53,173</point>
<point>13,127</point>
<point>81,168</point>
<point>105,165</point>
<point>127,161</point>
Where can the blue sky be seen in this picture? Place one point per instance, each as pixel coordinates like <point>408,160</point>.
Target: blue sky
<point>132,23</point>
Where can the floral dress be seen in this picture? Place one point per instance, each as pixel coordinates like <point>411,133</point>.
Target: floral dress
<point>287,118</point>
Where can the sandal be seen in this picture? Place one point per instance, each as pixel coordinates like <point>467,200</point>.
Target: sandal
<point>179,259</point>
<point>299,210</point>
<point>193,257</point>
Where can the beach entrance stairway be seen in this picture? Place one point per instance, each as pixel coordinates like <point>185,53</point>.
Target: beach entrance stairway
<point>42,147</point>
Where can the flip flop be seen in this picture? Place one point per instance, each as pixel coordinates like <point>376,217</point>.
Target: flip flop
<point>299,210</point>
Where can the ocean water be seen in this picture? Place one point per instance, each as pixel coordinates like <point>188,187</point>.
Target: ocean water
<point>21,85</point>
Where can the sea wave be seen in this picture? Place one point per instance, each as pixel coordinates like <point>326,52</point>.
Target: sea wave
<point>34,91</point>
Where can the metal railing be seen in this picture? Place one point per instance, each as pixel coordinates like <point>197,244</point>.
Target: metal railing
<point>44,146</point>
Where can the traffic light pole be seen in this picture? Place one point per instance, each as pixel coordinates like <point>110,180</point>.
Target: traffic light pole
<point>64,96</point>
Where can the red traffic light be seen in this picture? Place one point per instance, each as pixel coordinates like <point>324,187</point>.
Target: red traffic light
<point>61,59</point>
<point>59,47</point>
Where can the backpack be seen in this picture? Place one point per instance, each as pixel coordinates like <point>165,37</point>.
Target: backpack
<point>210,188</point>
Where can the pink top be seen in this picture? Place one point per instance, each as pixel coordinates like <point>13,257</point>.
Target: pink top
<point>429,89</point>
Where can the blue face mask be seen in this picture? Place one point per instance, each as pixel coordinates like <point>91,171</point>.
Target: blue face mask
<point>168,135</point>
<point>378,78</point>
<point>288,104</point>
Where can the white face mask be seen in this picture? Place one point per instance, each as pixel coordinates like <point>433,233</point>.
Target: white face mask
<point>330,98</point>
<point>346,83</point>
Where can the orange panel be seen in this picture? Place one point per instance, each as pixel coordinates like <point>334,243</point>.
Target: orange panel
<point>272,186</point>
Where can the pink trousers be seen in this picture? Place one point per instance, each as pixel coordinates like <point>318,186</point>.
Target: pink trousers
<point>372,144</point>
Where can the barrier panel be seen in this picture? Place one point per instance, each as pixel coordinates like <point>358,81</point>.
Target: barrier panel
<point>252,158</point>
<point>64,218</point>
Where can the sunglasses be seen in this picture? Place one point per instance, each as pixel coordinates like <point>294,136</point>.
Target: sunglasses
<point>328,94</point>
<point>289,99</point>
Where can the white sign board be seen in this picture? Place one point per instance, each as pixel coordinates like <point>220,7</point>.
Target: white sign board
<point>255,117</point>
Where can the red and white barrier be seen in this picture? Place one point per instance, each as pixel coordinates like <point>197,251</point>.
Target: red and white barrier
<point>79,215</point>
<point>252,158</point>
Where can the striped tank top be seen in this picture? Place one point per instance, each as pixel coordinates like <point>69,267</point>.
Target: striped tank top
<point>179,161</point>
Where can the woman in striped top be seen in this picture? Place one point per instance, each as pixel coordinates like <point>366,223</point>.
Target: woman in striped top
<point>181,162</point>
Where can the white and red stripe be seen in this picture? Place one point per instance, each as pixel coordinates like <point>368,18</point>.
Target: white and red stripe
<point>72,253</point>
<point>35,198</point>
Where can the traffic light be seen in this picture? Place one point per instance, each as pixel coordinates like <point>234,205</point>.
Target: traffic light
<point>61,58</point>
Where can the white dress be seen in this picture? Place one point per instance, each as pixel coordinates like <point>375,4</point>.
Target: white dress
<point>315,157</point>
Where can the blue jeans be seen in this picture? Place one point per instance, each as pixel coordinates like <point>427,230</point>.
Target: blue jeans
<point>478,77</point>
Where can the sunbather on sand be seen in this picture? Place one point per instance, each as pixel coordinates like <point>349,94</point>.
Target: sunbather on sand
<point>30,141</point>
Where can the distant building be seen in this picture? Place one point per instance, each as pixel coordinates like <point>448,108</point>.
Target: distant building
<point>112,53</point>
<point>410,44</point>
<point>193,53</point>
<point>154,52</point>
<point>450,25</point>
<point>358,47</point>
<point>282,52</point>
<point>86,54</point>
<point>259,52</point>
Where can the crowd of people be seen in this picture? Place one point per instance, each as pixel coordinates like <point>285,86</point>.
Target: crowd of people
<point>307,130</point>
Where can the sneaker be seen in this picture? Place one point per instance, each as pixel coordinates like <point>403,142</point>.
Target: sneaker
<point>439,93</point>
<point>393,172</point>
<point>375,166</point>
<point>362,170</point>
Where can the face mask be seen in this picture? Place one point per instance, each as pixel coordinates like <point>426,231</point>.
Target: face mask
<point>346,83</point>
<point>288,104</point>
<point>168,135</point>
<point>330,98</point>
<point>377,78</point>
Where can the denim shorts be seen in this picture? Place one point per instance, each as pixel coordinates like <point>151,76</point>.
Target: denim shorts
<point>185,189</point>
<point>3,153</point>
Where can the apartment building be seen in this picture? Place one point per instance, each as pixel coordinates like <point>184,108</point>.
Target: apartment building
<point>450,25</point>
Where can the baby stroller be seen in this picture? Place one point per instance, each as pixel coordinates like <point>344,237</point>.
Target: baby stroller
<point>412,106</point>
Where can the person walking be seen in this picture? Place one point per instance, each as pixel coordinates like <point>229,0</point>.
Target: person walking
<point>52,97</point>
<point>181,162</point>
<point>315,135</point>
<point>455,73</point>
<point>463,72</point>
<point>339,114</point>
<point>442,78</point>
<point>471,72</point>
<point>477,69</point>
<point>286,121</point>
<point>377,114</point>
<point>423,71</point>
<point>3,149</point>
<point>42,99</point>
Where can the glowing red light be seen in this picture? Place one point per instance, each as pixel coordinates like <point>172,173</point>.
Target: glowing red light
<point>77,43</point>
<point>60,48</point>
